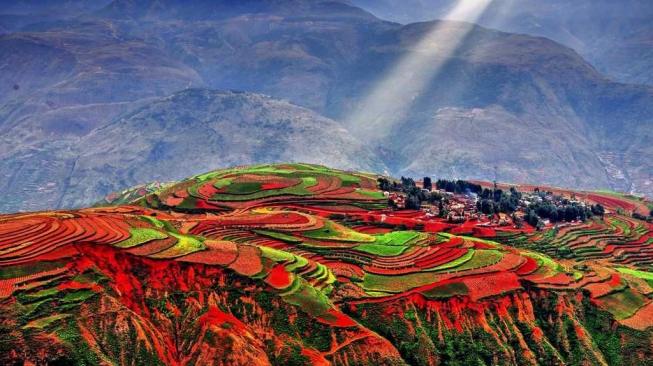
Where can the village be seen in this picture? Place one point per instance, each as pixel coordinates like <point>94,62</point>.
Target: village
<point>487,204</point>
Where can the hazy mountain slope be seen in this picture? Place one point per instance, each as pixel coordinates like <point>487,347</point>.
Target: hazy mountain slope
<point>286,48</point>
<point>615,36</point>
<point>15,14</point>
<point>61,84</point>
<point>172,136</point>
<point>542,111</point>
<point>442,144</point>
<point>223,9</point>
<point>58,85</point>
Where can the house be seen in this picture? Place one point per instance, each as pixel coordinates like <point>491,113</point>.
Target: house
<point>398,199</point>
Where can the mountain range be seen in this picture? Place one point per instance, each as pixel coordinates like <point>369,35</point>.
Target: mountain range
<point>615,36</point>
<point>125,92</point>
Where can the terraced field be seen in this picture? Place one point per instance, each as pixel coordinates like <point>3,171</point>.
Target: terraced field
<point>321,241</point>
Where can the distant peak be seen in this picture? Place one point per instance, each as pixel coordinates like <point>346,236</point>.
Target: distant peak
<point>222,9</point>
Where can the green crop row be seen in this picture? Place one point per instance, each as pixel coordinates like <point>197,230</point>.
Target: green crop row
<point>139,236</point>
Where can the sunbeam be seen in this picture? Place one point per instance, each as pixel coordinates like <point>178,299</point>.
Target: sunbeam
<point>391,97</point>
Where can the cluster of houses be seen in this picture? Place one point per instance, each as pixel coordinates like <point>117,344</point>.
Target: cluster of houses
<point>459,208</point>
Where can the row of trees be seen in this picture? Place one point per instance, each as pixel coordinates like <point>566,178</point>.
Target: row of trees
<point>568,212</point>
<point>414,195</point>
<point>458,186</point>
<point>495,201</point>
<point>639,216</point>
<point>386,185</point>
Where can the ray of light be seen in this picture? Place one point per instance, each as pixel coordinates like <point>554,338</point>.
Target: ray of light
<point>389,98</point>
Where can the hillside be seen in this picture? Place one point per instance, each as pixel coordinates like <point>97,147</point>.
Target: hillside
<point>303,264</point>
<point>614,36</point>
<point>169,138</point>
<point>15,15</point>
<point>541,108</point>
<point>522,104</point>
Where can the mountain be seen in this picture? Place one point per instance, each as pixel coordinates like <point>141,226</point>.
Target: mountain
<point>300,264</point>
<point>168,138</point>
<point>223,9</point>
<point>535,110</point>
<point>614,36</point>
<point>523,104</point>
<point>202,128</point>
<point>15,14</point>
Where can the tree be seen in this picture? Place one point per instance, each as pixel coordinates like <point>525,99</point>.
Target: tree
<point>597,210</point>
<point>497,195</point>
<point>582,214</point>
<point>518,222</point>
<point>442,211</point>
<point>422,195</point>
<point>487,207</point>
<point>391,203</point>
<point>427,183</point>
<point>407,184</point>
<point>459,186</point>
<point>639,216</point>
<point>384,184</point>
<point>413,202</point>
<point>568,214</point>
<point>507,204</point>
<point>515,193</point>
<point>532,218</point>
<point>435,197</point>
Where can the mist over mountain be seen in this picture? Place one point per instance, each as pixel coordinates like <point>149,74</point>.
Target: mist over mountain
<point>76,93</point>
<point>615,36</point>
